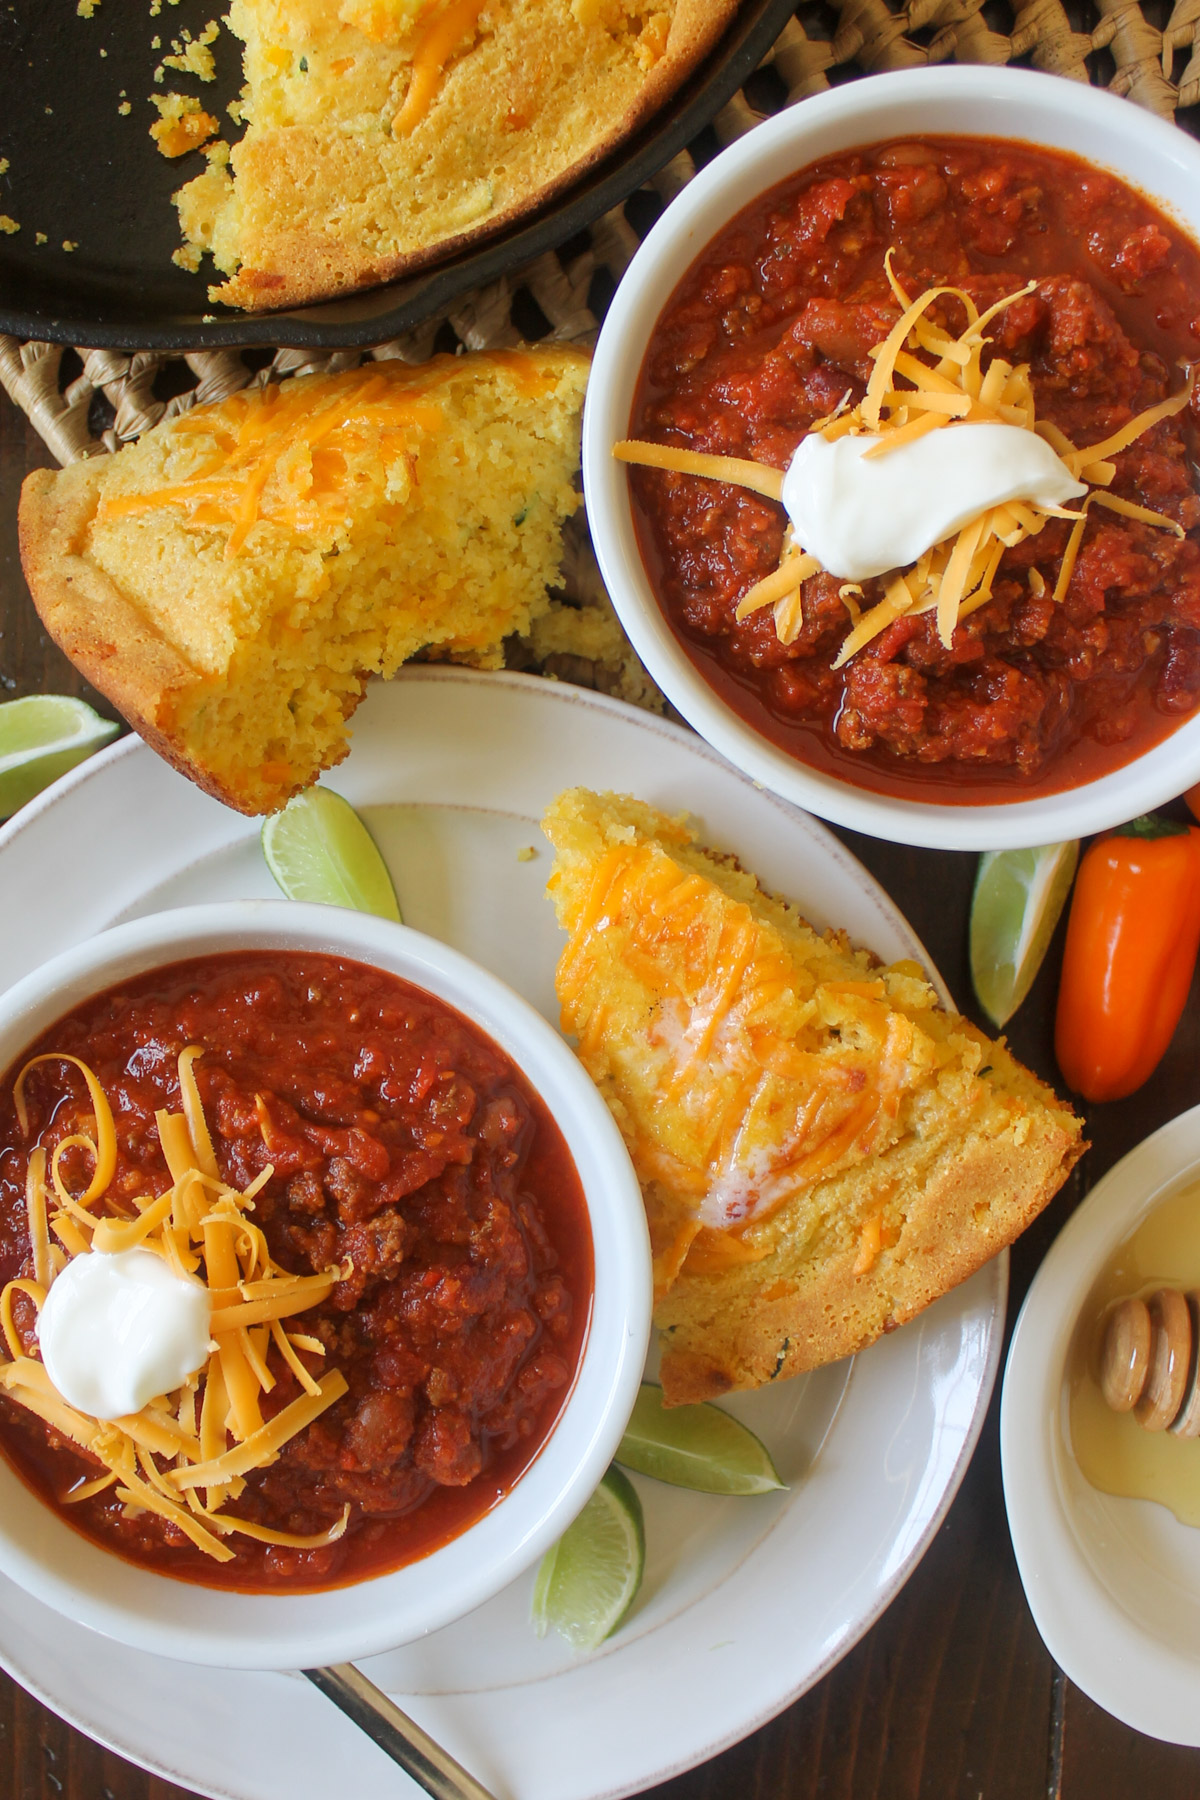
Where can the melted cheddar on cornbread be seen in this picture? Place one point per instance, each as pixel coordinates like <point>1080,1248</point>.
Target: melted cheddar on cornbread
<point>823,1148</point>
<point>230,580</point>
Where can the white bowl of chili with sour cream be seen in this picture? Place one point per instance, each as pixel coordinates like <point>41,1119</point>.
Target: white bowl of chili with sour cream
<point>450,1179</point>
<point>988,177</point>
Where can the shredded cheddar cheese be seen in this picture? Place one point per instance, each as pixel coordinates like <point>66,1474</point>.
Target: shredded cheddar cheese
<point>164,1459</point>
<point>736,470</point>
<point>947,385</point>
<point>441,36</point>
<point>277,456</point>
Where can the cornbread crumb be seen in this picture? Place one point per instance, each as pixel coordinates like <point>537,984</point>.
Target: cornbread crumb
<point>526,854</point>
<point>206,192</point>
<point>182,125</point>
<point>579,637</point>
<point>40,238</point>
<point>3,165</point>
<point>192,55</point>
<point>86,9</point>
<point>592,634</point>
<point>8,226</point>
<point>125,107</point>
<point>381,524</point>
<point>186,257</point>
<point>69,244</point>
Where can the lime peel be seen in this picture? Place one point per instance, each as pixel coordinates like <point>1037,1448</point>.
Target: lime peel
<point>699,1447</point>
<point>41,737</point>
<point>1018,900</point>
<point>318,849</point>
<point>587,1581</point>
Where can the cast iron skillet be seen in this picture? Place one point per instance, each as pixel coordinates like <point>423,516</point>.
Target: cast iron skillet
<point>83,173</point>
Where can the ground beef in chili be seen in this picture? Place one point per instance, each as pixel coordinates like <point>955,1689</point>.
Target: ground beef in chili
<point>772,326</point>
<point>401,1138</point>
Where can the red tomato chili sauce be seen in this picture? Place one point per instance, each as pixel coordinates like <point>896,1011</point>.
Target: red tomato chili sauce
<point>771,327</point>
<point>402,1138</point>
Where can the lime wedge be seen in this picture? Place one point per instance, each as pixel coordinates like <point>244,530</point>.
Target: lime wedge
<point>41,737</point>
<point>1019,897</point>
<point>587,1582</point>
<point>695,1447</point>
<point>318,848</point>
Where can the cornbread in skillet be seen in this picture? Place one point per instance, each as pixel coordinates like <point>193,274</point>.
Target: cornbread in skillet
<point>823,1149</point>
<point>381,133</point>
<point>230,580</point>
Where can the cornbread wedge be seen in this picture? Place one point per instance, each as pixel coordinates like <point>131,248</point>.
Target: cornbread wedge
<point>823,1149</point>
<point>381,133</point>
<point>230,580</point>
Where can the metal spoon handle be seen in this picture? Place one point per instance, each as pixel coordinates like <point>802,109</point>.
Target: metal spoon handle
<point>397,1735</point>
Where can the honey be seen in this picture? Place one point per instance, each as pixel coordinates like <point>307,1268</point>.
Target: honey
<point>1115,1450</point>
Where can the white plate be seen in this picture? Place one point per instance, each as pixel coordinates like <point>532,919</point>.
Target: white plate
<point>1113,1584</point>
<point>746,1603</point>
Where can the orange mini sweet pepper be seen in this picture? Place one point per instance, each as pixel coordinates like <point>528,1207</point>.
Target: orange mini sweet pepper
<point>1132,939</point>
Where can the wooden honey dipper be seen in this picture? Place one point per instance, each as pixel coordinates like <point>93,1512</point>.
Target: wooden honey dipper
<point>1148,1360</point>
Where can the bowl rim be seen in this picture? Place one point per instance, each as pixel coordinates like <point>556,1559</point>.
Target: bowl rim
<point>1100,1646</point>
<point>187,1621</point>
<point>1051,112</point>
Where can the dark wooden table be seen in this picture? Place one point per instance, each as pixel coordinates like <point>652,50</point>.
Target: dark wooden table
<point>952,1695</point>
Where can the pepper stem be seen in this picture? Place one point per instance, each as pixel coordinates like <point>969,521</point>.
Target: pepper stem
<point>1151,826</point>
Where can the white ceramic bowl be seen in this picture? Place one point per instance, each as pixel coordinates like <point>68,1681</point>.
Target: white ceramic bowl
<point>261,1631</point>
<point>955,99</point>
<point>1113,1584</point>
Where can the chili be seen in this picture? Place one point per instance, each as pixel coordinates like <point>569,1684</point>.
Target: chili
<point>774,325</point>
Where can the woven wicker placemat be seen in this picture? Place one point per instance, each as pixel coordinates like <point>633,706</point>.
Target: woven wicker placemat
<point>117,394</point>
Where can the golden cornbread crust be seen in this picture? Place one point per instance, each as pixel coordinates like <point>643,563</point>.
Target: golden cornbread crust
<point>330,189</point>
<point>230,580</point>
<point>871,1149</point>
<point>105,636</point>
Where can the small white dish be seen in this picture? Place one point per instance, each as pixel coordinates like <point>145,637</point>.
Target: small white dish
<point>953,100</point>
<point>152,1612</point>
<point>1113,1584</point>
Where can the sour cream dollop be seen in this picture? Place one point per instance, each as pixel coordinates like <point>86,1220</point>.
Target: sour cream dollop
<point>116,1330</point>
<point>860,518</point>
